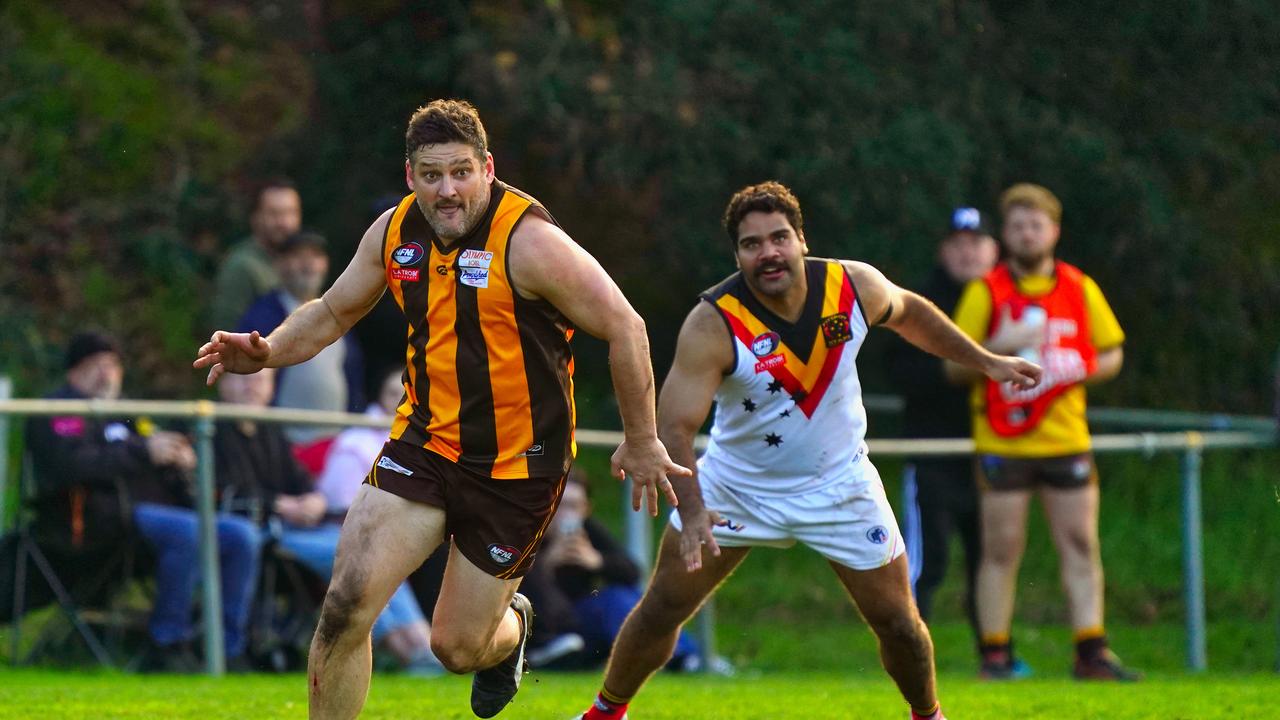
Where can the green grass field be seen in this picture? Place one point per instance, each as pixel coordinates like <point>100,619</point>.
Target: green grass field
<point>772,696</point>
<point>786,670</point>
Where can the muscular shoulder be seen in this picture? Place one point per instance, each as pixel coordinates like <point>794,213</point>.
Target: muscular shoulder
<point>875,293</point>
<point>705,340</point>
<point>541,254</point>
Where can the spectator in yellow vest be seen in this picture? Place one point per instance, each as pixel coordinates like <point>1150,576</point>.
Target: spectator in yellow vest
<point>1036,441</point>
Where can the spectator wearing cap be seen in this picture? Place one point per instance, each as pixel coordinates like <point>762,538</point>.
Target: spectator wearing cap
<point>99,480</point>
<point>939,497</point>
<point>332,380</point>
<point>1034,442</point>
<point>248,271</point>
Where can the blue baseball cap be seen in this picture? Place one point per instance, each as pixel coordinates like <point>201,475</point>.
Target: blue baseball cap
<point>967,219</point>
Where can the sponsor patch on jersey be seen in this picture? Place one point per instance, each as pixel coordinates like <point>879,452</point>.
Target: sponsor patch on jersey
<point>769,363</point>
<point>503,554</point>
<point>535,450</point>
<point>405,274</point>
<point>410,253</point>
<point>765,344</point>
<point>475,259</point>
<point>835,329</point>
<point>387,463</point>
<point>878,535</point>
<point>474,277</point>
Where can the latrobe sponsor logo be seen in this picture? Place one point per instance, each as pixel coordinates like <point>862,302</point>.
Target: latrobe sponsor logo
<point>404,274</point>
<point>503,554</point>
<point>770,363</point>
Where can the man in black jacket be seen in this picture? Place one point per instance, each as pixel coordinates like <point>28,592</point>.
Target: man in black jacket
<point>940,496</point>
<point>98,481</point>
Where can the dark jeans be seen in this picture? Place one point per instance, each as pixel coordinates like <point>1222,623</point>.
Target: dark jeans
<point>172,533</point>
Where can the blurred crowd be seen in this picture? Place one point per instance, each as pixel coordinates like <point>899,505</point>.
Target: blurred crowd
<point>99,490</point>
<point>100,487</point>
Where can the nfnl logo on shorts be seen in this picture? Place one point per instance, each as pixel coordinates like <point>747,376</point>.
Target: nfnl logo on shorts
<point>475,259</point>
<point>404,274</point>
<point>408,254</point>
<point>878,535</point>
<point>765,343</point>
<point>503,554</point>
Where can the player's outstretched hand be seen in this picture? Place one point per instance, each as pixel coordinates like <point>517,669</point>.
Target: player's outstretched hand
<point>1022,373</point>
<point>695,533</point>
<point>240,353</point>
<point>648,464</point>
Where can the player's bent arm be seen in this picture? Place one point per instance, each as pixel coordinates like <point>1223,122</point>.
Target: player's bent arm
<point>320,322</point>
<point>546,263</point>
<point>703,356</point>
<point>922,324</point>
<point>1109,364</point>
<point>917,320</point>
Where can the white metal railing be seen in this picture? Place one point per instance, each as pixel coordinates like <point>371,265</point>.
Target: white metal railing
<point>204,414</point>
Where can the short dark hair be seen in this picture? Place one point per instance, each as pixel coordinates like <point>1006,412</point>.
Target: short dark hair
<point>260,188</point>
<point>768,197</point>
<point>444,121</point>
<point>303,239</point>
<point>86,343</point>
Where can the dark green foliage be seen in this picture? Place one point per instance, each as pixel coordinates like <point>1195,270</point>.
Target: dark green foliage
<point>131,129</point>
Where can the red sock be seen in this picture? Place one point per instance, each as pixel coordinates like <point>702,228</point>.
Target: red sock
<point>605,709</point>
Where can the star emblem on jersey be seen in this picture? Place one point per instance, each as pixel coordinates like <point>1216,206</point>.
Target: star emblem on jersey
<point>773,440</point>
<point>785,413</point>
<point>748,405</point>
<point>806,362</point>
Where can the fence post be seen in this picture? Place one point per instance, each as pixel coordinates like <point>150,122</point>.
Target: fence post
<point>214,652</point>
<point>1192,554</point>
<point>6,393</point>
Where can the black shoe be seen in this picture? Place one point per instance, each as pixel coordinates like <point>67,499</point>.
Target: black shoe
<point>492,688</point>
<point>1106,666</point>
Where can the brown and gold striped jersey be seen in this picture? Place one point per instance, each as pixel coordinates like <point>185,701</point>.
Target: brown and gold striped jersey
<point>489,374</point>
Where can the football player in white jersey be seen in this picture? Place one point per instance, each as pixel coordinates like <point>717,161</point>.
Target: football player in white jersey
<point>773,346</point>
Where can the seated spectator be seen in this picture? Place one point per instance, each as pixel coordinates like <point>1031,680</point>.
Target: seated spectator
<point>334,378</point>
<point>80,462</point>
<point>258,474</point>
<point>584,584</point>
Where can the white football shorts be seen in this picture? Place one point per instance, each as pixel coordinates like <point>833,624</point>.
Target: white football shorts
<point>848,521</point>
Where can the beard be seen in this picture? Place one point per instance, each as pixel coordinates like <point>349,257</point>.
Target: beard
<point>451,229</point>
<point>1029,259</point>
